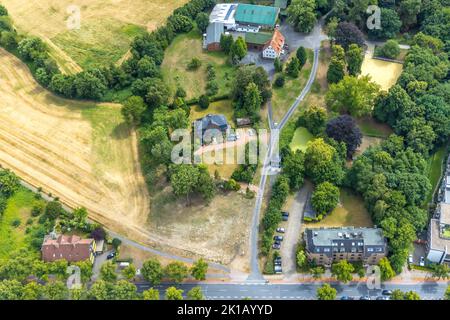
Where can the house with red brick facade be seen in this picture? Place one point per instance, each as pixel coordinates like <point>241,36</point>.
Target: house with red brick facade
<point>70,248</point>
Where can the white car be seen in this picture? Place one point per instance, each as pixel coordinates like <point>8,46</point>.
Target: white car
<point>410,258</point>
<point>422,262</point>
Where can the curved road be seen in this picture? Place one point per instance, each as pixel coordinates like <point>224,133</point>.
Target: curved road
<point>255,274</point>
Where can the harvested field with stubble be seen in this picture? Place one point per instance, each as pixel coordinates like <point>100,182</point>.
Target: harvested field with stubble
<point>81,152</point>
<point>107,26</point>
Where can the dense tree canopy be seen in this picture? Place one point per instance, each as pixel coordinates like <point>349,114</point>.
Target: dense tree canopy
<point>301,14</point>
<point>344,129</point>
<point>352,95</point>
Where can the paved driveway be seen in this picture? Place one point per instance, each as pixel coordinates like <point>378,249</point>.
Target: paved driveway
<point>292,235</point>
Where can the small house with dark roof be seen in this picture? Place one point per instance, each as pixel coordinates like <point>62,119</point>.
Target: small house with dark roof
<point>211,39</point>
<point>211,122</point>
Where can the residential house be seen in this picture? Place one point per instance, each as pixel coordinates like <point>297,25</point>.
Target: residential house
<point>274,48</point>
<point>211,39</point>
<point>326,246</point>
<point>70,248</point>
<point>209,126</point>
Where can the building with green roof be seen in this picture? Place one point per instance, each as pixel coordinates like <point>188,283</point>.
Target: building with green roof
<point>258,40</point>
<point>257,16</point>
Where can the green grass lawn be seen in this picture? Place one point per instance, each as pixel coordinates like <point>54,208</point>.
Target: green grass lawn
<point>350,213</point>
<point>19,207</point>
<point>283,98</point>
<point>434,170</point>
<point>98,44</point>
<point>180,53</point>
<point>301,138</point>
<point>369,127</point>
<point>219,107</point>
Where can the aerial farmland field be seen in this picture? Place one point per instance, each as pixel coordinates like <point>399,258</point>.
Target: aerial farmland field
<point>81,152</point>
<point>107,27</point>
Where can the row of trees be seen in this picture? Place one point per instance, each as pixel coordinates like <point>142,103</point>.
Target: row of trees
<point>100,290</point>
<point>250,90</point>
<point>343,62</point>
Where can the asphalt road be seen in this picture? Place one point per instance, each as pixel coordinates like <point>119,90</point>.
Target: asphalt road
<point>234,291</point>
<point>255,273</point>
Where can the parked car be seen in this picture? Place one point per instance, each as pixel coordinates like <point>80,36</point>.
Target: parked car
<point>346,298</point>
<point>285,213</point>
<point>422,262</point>
<point>111,255</point>
<point>277,263</point>
<point>281,230</point>
<point>364,298</point>
<point>278,269</point>
<point>278,238</point>
<point>285,218</point>
<point>383,298</point>
<point>276,246</point>
<point>410,258</point>
<point>386,292</point>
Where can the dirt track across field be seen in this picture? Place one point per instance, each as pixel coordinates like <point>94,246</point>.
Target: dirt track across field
<point>79,151</point>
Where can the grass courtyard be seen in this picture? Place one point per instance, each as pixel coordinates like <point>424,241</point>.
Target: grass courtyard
<point>434,170</point>
<point>284,97</point>
<point>300,140</point>
<point>180,53</point>
<point>350,212</point>
<point>18,208</point>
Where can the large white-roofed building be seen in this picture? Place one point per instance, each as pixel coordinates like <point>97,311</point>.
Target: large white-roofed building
<point>224,13</point>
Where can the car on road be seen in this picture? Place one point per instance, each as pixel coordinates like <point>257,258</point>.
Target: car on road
<point>276,246</point>
<point>278,238</point>
<point>383,298</point>
<point>422,262</point>
<point>111,255</point>
<point>346,298</point>
<point>386,292</point>
<point>410,259</point>
<point>281,230</point>
<point>364,298</point>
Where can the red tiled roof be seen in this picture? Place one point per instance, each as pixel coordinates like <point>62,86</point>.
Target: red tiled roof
<point>277,41</point>
<point>71,248</point>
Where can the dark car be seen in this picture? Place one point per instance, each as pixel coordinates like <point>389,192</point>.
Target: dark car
<point>386,292</point>
<point>285,214</point>
<point>111,255</point>
<point>285,218</point>
<point>278,238</point>
<point>276,246</point>
<point>364,298</point>
<point>346,298</point>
